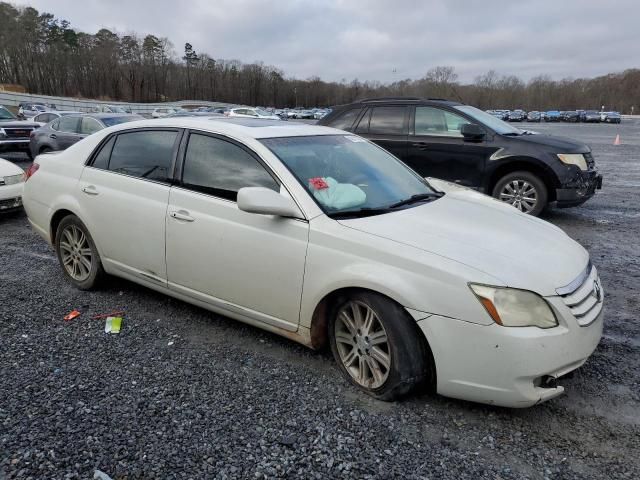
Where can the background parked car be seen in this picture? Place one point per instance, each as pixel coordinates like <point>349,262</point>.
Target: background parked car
<point>29,110</point>
<point>164,111</point>
<point>534,116</point>
<point>14,133</point>
<point>592,116</point>
<point>610,117</point>
<point>11,183</point>
<point>65,131</point>
<point>111,109</point>
<point>46,117</point>
<point>457,143</point>
<point>516,116</point>
<point>249,112</point>
<point>552,116</point>
<point>570,116</point>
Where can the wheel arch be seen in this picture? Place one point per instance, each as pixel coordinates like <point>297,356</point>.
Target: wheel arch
<point>527,164</point>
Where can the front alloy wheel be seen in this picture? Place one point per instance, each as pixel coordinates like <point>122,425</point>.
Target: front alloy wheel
<point>524,190</point>
<point>521,194</point>
<point>378,347</point>
<point>362,344</point>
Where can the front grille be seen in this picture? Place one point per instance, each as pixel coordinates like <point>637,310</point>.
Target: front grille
<point>18,132</point>
<point>584,296</point>
<point>591,163</point>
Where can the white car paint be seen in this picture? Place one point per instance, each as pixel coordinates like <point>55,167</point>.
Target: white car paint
<point>278,270</point>
<point>11,184</point>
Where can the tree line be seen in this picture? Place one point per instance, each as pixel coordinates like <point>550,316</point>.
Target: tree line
<point>47,56</point>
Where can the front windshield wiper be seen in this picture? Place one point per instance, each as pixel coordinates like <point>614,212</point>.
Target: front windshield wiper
<point>512,134</point>
<point>416,198</point>
<point>361,212</point>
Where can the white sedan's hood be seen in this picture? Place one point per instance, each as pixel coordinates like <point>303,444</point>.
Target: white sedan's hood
<point>471,228</point>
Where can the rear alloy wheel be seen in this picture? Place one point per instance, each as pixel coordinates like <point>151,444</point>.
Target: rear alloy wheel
<point>378,347</point>
<point>77,253</point>
<point>523,190</point>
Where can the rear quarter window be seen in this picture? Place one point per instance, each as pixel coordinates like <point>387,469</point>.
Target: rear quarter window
<point>344,120</point>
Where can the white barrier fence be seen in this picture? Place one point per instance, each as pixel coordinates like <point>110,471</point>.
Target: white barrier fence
<point>84,105</point>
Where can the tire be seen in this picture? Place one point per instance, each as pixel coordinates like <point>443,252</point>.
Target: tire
<point>29,154</point>
<point>515,187</point>
<point>74,241</point>
<point>402,361</point>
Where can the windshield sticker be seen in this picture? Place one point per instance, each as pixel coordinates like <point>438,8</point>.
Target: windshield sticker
<point>318,183</point>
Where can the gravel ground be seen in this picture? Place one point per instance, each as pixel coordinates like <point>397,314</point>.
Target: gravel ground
<point>182,393</point>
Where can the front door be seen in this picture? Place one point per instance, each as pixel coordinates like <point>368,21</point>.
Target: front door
<point>244,263</point>
<point>436,148</point>
<point>124,193</point>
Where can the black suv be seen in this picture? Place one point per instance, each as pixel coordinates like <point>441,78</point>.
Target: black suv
<point>462,144</point>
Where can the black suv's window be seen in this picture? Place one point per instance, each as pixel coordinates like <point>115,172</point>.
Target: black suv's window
<point>387,120</point>
<point>345,120</point>
<point>438,122</point>
<point>145,154</point>
<point>221,168</point>
<point>69,124</point>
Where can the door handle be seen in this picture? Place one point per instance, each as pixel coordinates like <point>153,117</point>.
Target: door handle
<point>182,215</point>
<point>90,190</point>
<point>420,145</point>
<point>53,135</point>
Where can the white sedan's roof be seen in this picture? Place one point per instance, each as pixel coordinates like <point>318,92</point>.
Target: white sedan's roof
<point>237,126</point>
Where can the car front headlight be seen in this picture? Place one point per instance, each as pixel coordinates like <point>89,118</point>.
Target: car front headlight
<point>511,307</point>
<point>13,179</point>
<point>573,159</point>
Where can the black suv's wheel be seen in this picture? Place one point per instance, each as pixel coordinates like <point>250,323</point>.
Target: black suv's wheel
<point>524,190</point>
<point>378,347</point>
<point>77,254</point>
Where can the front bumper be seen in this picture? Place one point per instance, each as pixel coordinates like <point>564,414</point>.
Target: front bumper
<point>11,197</point>
<point>507,366</point>
<point>579,190</point>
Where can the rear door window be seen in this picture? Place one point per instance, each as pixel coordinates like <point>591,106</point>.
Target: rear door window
<point>145,154</point>
<point>101,160</point>
<point>69,124</point>
<point>387,121</point>
<point>345,121</point>
<point>219,167</point>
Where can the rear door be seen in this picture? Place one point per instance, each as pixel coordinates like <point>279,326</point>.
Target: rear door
<point>387,126</point>
<point>124,192</point>
<point>436,148</point>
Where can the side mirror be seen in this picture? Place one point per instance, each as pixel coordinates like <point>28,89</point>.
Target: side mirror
<point>472,131</point>
<point>266,202</point>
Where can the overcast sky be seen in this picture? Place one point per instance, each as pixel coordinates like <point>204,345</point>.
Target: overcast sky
<point>384,39</point>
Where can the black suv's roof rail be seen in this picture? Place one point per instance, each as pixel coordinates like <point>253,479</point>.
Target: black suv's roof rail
<point>388,99</point>
<point>384,99</point>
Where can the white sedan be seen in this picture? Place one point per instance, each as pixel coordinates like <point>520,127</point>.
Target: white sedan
<point>327,239</point>
<point>247,112</point>
<point>11,183</point>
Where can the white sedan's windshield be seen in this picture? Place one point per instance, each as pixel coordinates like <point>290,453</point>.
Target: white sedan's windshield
<point>345,173</point>
<point>495,124</point>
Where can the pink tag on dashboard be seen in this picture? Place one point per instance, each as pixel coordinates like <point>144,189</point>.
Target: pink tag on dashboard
<point>318,183</point>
